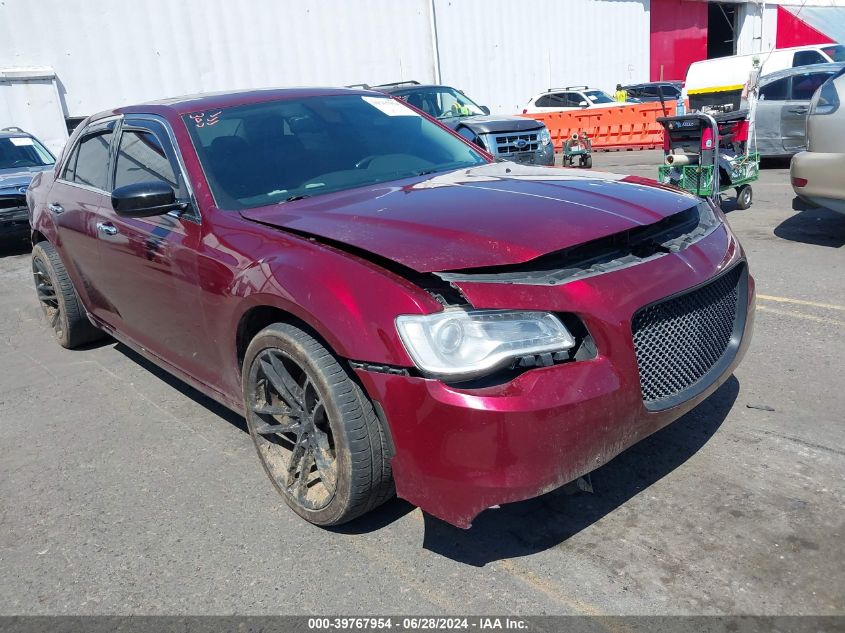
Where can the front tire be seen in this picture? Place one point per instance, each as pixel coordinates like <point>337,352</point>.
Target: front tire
<point>315,431</point>
<point>59,301</point>
<point>744,197</point>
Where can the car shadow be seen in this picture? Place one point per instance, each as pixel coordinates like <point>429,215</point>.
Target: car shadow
<point>14,246</point>
<point>775,162</point>
<point>527,527</point>
<point>535,525</point>
<point>384,515</point>
<point>184,388</point>
<point>813,225</point>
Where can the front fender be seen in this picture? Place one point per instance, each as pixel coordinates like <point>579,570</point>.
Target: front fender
<point>350,302</point>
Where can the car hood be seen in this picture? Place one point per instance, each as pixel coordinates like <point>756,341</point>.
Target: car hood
<point>492,215</point>
<point>14,179</point>
<point>486,124</point>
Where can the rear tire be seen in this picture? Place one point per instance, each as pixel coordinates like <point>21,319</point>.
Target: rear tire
<point>586,162</point>
<point>315,430</point>
<point>744,196</point>
<point>59,301</point>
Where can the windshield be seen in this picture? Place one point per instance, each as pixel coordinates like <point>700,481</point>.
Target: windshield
<point>836,52</point>
<point>280,151</point>
<point>21,152</point>
<point>597,96</point>
<point>442,102</point>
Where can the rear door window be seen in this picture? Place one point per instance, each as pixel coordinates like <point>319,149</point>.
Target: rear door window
<point>554,100</point>
<point>775,91</point>
<point>805,84</point>
<point>573,99</point>
<point>89,162</point>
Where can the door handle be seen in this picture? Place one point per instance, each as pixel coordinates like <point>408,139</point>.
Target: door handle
<point>107,228</point>
<point>55,207</point>
<point>801,110</point>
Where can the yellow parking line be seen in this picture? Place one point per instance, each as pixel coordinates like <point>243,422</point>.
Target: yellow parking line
<point>549,588</point>
<point>801,302</point>
<point>801,315</point>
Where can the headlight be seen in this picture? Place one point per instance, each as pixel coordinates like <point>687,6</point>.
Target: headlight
<point>545,137</point>
<point>465,343</point>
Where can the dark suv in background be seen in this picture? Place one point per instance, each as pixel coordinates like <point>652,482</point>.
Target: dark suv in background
<point>651,91</point>
<point>515,138</point>
<point>21,157</point>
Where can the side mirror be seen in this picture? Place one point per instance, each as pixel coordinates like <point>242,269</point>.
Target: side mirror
<point>144,199</point>
<point>485,109</point>
<point>583,104</point>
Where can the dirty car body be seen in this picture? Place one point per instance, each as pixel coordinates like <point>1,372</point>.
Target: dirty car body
<point>646,289</point>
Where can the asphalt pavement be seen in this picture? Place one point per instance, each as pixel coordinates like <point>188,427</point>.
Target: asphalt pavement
<point>123,491</point>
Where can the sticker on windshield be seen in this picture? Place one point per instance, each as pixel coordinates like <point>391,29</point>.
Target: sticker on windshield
<point>389,106</point>
<point>204,119</point>
<point>20,141</point>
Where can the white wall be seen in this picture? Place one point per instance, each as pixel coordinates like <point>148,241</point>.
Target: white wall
<point>29,99</point>
<point>756,28</point>
<point>108,53</point>
<point>502,52</point>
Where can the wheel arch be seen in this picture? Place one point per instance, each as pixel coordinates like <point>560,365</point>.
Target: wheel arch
<point>37,236</point>
<point>257,317</point>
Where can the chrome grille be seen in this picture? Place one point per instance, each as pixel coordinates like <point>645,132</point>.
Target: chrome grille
<point>510,144</point>
<point>679,340</point>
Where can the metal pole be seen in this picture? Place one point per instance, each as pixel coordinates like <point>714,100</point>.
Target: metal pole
<point>435,45</point>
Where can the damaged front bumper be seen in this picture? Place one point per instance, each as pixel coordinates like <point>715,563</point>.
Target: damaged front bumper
<point>460,450</point>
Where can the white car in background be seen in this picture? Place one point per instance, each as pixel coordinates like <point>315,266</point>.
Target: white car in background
<point>571,98</point>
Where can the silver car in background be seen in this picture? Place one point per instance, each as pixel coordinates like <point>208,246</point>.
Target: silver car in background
<point>818,175</point>
<point>783,106</point>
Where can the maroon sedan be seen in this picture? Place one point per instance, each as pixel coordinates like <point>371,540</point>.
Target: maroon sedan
<point>389,307</point>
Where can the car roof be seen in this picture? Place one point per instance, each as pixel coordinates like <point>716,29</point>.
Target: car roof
<point>409,88</point>
<point>788,72</point>
<point>186,104</point>
<point>14,133</point>
<point>646,84</point>
<point>565,89</point>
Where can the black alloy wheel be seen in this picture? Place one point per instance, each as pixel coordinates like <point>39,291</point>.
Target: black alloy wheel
<point>296,442</point>
<point>47,296</point>
<point>314,428</point>
<point>58,299</point>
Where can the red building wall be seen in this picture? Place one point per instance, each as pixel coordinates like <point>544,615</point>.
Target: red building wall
<point>678,37</point>
<point>792,31</point>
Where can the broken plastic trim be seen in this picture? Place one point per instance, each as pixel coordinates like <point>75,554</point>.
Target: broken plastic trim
<point>620,250</point>
<point>585,349</point>
<point>380,368</point>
